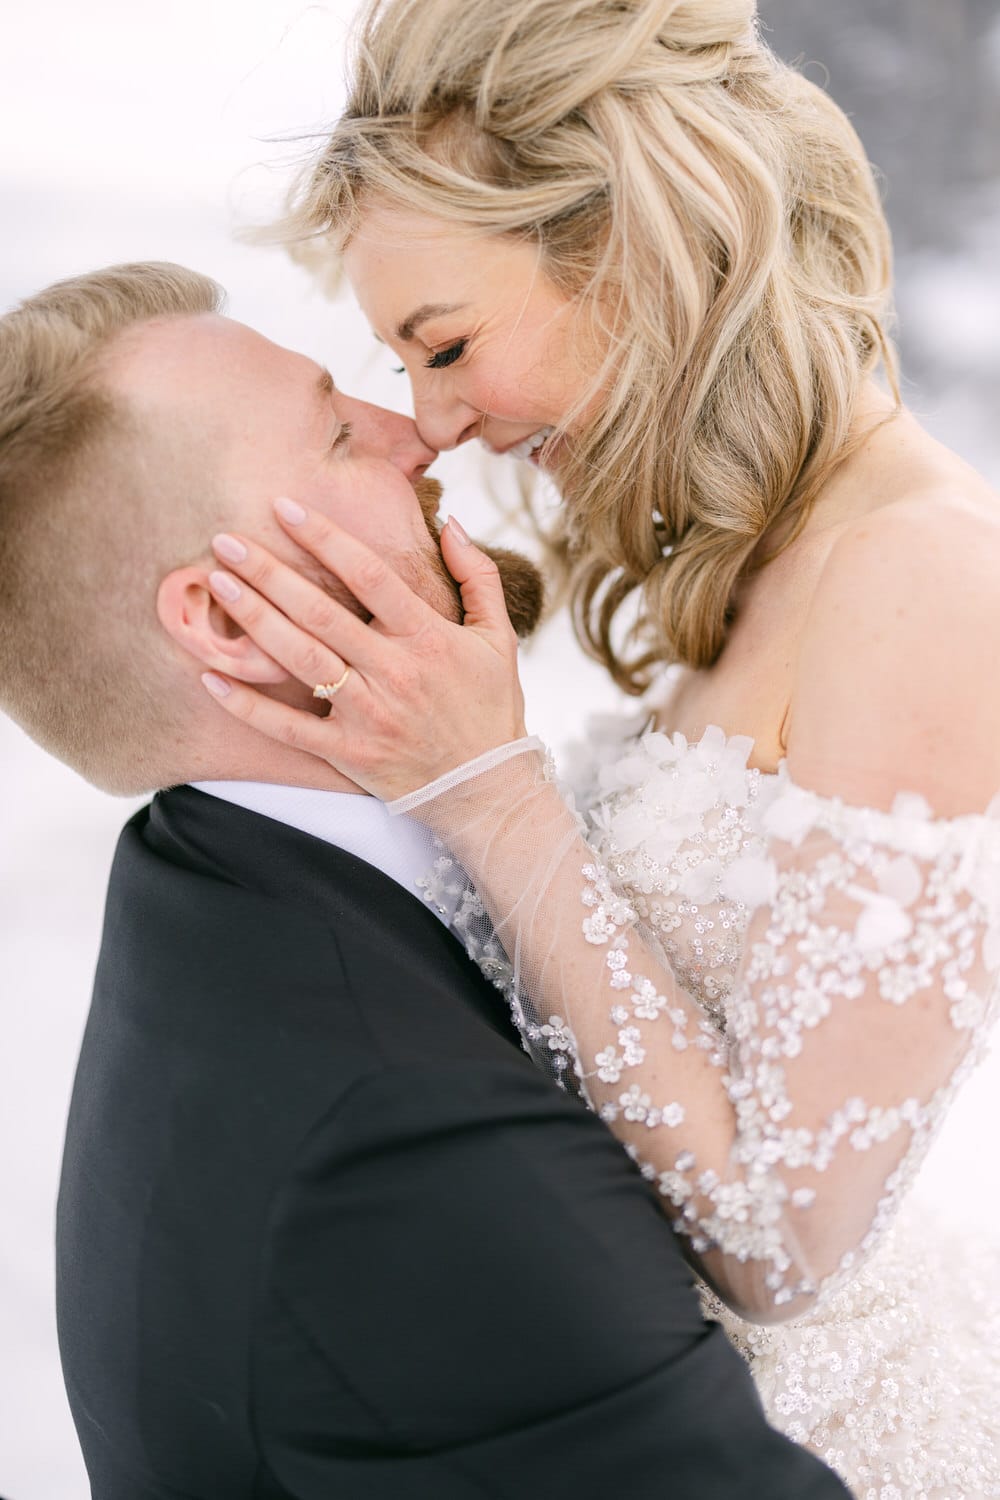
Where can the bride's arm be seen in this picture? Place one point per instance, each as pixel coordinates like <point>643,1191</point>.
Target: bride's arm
<point>866,982</point>
<point>869,963</point>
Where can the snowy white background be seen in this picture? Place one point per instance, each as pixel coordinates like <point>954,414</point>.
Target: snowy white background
<point>130,131</point>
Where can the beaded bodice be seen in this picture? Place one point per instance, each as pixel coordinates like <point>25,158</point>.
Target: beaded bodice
<point>771,997</point>
<point>894,1378</point>
<point>679,826</point>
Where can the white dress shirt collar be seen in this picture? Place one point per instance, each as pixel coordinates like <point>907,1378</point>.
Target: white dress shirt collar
<point>398,846</point>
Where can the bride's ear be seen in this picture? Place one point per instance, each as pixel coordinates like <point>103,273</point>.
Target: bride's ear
<point>199,624</point>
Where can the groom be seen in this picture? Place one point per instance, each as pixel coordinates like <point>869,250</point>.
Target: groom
<point>324,1233</point>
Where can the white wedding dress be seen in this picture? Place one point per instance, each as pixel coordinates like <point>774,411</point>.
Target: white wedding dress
<point>833,973</point>
<point>895,1379</point>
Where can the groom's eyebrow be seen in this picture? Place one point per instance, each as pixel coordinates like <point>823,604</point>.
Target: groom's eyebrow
<point>324,389</point>
<point>423,314</point>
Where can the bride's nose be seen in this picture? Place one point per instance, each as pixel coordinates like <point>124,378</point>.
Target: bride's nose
<point>444,422</point>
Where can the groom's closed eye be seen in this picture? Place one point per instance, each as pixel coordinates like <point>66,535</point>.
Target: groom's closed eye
<point>324,389</point>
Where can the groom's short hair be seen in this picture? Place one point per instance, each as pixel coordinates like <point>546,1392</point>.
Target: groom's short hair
<point>75,523</point>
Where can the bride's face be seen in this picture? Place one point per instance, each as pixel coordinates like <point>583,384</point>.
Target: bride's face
<point>494,350</point>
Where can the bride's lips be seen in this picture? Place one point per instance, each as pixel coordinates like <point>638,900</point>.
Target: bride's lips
<point>528,447</point>
<point>543,457</point>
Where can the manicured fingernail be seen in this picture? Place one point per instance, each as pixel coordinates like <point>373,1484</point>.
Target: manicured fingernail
<point>290,511</point>
<point>460,533</point>
<point>217,686</point>
<point>225,586</point>
<point>228,548</point>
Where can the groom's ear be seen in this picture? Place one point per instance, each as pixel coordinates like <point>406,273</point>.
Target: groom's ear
<point>193,618</point>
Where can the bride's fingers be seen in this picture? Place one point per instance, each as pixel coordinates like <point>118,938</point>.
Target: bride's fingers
<point>478,577</point>
<point>298,651</point>
<point>365,575</point>
<point>294,727</point>
<point>271,592</point>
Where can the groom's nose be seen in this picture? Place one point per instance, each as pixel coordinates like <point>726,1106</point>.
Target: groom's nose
<point>388,435</point>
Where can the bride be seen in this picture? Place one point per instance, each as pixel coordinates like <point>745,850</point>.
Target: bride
<point>620,238</point>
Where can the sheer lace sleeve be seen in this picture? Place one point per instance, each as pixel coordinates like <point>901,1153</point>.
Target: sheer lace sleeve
<point>782,1131</point>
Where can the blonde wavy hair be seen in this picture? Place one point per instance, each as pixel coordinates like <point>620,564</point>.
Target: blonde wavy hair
<point>711,210</point>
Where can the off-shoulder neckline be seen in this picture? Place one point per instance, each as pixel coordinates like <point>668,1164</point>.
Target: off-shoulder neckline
<point>908,804</point>
<point>682,741</point>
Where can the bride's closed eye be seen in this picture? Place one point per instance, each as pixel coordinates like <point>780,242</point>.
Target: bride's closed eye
<point>445,357</point>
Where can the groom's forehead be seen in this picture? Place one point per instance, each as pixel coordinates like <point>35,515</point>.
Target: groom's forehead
<point>245,352</point>
<point>173,350</point>
<point>208,369</point>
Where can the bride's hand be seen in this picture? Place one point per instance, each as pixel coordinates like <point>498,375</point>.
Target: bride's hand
<point>422,695</point>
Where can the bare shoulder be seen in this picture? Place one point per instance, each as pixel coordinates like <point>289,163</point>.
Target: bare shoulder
<point>915,508</point>
<point>894,687</point>
<point>930,555</point>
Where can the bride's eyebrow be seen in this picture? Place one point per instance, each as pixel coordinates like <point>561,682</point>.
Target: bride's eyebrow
<point>423,314</point>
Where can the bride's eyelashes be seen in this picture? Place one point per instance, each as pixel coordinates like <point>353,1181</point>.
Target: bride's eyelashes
<point>445,357</point>
<point>441,360</point>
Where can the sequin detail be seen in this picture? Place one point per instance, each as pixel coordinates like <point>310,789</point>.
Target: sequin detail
<point>778,909</point>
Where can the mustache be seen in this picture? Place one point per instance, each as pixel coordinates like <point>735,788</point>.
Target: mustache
<point>429,493</point>
<point>523,584</point>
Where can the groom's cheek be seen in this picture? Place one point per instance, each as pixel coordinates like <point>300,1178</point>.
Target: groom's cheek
<point>315,573</point>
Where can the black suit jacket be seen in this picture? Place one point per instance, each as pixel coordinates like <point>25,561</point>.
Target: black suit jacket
<point>325,1233</point>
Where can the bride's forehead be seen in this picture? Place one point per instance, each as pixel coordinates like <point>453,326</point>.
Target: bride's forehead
<point>385,227</point>
<point>401,284</point>
<point>417,250</point>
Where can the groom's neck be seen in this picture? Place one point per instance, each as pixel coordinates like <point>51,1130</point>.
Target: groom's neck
<point>242,754</point>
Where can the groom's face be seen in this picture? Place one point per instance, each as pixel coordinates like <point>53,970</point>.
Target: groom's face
<point>238,421</point>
